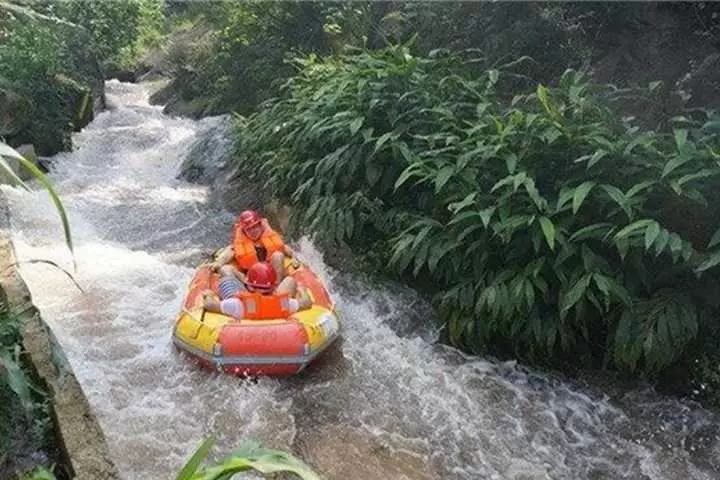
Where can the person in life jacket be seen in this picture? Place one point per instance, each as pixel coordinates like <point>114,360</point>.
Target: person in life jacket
<point>258,297</point>
<point>254,241</point>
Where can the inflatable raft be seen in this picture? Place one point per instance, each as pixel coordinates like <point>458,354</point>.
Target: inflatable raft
<point>279,347</point>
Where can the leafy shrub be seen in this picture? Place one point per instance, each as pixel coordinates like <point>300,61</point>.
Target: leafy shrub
<point>543,221</point>
<point>121,28</point>
<point>241,60</point>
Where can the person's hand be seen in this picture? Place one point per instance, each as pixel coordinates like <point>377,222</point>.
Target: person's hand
<point>208,298</point>
<point>214,267</point>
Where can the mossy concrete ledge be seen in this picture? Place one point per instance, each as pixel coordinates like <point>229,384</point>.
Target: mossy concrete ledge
<point>80,435</point>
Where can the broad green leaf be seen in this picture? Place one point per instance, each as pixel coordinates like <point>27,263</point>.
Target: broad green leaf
<point>633,227</point>
<point>566,194</point>
<point>503,182</point>
<point>549,231</point>
<point>381,141</point>
<point>411,171</point>
<point>519,179</point>
<point>712,261</point>
<point>443,176</point>
<point>486,215</point>
<point>511,161</point>
<point>635,189</point>
<point>674,162</point>
<point>704,173</point>
<point>580,194</point>
<point>618,197</point>
<point>662,241</point>
<point>16,380</point>
<point>651,233</point>
<point>466,202</point>
<point>437,253</point>
<point>715,239</point>
<point>252,457</point>
<point>355,125</point>
<point>680,138</point>
<point>572,296</point>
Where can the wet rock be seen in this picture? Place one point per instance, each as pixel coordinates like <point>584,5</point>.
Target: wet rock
<point>15,112</point>
<point>702,83</point>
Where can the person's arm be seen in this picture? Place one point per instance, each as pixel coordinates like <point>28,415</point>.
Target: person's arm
<point>223,258</point>
<point>304,300</point>
<point>290,253</point>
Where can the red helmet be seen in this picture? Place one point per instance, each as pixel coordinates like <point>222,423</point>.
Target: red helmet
<point>261,276</point>
<point>248,219</point>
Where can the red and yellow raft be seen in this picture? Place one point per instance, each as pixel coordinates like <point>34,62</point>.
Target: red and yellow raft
<point>280,347</point>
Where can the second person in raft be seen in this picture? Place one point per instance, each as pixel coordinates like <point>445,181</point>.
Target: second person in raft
<point>253,241</point>
<point>258,296</point>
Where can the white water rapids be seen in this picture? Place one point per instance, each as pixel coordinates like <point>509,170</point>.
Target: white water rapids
<point>395,407</point>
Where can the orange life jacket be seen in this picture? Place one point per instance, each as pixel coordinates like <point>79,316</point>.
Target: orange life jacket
<point>265,307</point>
<point>245,255</point>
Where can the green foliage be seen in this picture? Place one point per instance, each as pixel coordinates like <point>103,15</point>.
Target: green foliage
<point>241,61</point>
<point>249,457</point>
<point>541,218</point>
<point>49,65</point>
<point>121,28</point>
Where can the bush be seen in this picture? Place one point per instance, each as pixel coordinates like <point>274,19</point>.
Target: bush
<point>121,29</point>
<point>544,221</point>
<point>240,62</point>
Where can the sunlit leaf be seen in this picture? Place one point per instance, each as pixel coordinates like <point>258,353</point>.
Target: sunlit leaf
<point>580,194</point>
<point>549,231</point>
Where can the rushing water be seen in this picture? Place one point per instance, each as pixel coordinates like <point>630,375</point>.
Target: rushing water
<point>393,405</point>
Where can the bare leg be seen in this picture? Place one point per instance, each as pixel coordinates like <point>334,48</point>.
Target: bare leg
<point>211,304</point>
<point>228,271</point>
<point>287,286</point>
<point>277,260</point>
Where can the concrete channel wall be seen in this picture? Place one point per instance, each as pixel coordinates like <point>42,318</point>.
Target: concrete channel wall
<point>80,436</point>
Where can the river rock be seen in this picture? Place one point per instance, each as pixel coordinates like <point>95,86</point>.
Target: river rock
<point>15,112</point>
